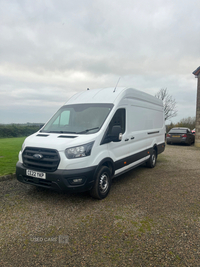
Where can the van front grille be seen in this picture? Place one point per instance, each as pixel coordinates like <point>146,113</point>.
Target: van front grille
<point>41,159</point>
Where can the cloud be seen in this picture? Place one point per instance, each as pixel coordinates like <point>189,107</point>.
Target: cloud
<point>50,50</point>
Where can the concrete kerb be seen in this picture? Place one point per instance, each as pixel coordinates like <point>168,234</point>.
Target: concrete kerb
<point>8,177</point>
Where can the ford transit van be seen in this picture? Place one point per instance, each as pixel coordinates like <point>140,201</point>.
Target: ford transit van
<point>97,135</point>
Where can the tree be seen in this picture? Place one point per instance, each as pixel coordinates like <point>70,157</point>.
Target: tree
<point>168,102</point>
<point>187,122</point>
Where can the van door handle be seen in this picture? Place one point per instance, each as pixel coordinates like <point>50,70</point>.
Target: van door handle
<point>132,138</point>
<point>126,139</point>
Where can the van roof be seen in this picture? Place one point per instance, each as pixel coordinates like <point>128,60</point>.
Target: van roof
<point>111,95</point>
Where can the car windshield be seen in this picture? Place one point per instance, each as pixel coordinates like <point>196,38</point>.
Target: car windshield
<point>178,131</point>
<point>78,119</point>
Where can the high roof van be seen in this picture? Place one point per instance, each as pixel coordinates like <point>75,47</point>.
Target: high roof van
<point>97,135</point>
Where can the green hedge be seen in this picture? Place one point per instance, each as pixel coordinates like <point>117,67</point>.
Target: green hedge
<point>17,130</point>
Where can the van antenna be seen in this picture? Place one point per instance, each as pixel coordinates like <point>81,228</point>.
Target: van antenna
<point>116,85</point>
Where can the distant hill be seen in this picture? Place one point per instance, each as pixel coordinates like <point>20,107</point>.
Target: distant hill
<point>23,124</point>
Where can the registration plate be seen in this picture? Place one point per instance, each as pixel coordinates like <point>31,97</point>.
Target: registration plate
<point>35,174</point>
<point>175,135</point>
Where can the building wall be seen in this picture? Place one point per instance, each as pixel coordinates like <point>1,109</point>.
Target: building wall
<point>197,131</point>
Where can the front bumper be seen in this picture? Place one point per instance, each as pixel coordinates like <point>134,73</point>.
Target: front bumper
<point>60,180</point>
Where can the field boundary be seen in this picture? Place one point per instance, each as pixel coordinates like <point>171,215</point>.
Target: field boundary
<point>7,177</point>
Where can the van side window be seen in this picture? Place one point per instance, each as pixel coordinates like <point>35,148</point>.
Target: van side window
<point>118,119</point>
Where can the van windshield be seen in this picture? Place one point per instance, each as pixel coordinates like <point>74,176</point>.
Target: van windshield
<point>78,119</point>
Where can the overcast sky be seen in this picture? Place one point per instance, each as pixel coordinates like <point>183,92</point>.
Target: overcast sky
<point>49,50</point>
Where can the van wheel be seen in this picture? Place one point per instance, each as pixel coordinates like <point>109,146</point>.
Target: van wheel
<point>151,163</point>
<point>102,184</point>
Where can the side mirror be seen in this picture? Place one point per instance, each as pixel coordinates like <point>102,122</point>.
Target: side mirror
<point>116,133</point>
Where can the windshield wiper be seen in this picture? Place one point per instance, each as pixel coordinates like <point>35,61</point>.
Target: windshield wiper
<point>61,132</point>
<point>88,130</point>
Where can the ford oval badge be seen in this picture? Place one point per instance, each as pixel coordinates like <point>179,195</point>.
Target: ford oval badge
<point>38,156</point>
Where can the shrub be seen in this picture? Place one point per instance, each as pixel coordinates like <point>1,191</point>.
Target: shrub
<point>14,130</point>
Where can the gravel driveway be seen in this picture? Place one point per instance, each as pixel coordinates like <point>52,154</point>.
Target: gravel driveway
<point>150,218</point>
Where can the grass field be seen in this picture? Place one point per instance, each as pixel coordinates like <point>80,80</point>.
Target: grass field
<point>9,149</point>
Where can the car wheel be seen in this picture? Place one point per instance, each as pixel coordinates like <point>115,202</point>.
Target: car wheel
<point>151,163</point>
<point>189,142</point>
<point>102,184</point>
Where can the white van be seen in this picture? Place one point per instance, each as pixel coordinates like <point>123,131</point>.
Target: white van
<point>97,135</point>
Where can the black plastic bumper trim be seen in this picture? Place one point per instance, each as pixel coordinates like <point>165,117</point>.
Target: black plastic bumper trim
<point>59,180</point>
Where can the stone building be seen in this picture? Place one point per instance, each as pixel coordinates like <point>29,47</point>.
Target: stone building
<point>197,128</point>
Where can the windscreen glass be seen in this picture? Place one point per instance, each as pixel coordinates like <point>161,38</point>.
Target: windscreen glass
<point>178,131</point>
<point>79,119</point>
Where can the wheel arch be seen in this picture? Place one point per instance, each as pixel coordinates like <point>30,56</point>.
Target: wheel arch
<point>155,147</point>
<point>108,162</point>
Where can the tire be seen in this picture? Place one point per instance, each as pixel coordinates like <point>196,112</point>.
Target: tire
<point>189,142</point>
<point>102,184</point>
<point>151,163</point>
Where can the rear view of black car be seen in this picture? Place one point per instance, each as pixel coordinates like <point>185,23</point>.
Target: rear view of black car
<point>180,135</point>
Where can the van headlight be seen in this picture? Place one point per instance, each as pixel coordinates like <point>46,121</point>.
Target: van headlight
<point>79,151</point>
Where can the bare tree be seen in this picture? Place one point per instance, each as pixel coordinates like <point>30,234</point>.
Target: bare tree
<point>168,102</point>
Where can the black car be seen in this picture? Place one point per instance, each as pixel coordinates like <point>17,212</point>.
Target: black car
<point>180,135</point>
